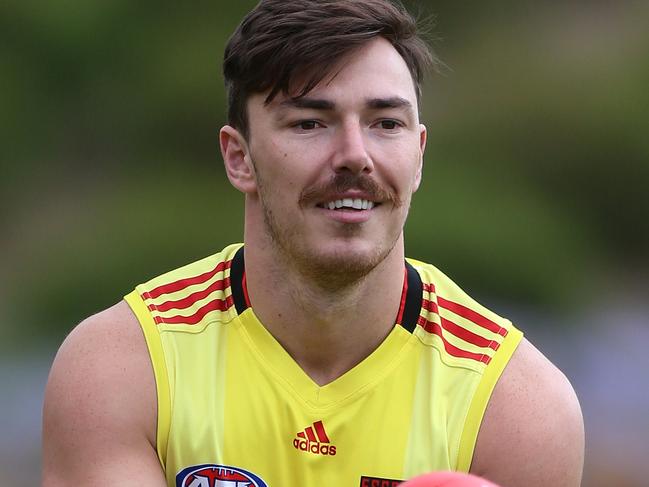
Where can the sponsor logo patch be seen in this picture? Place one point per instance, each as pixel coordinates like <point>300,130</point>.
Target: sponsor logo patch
<point>210,475</point>
<point>314,440</point>
<point>378,482</point>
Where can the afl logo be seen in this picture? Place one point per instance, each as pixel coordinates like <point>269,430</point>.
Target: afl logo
<point>210,475</point>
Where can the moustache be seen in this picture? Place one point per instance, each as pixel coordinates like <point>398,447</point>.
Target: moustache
<point>343,182</point>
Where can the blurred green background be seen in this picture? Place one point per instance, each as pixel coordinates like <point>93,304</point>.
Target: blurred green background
<point>534,197</point>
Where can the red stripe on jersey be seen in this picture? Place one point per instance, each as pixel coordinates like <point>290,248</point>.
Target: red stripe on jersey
<point>429,287</point>
<point>430,306</point>
<point>244,286</point>
<point>468,336</point>
<point>192,298</point>
<point>404,295</point>
<point>301,435</point>
<point>215,305</point>
<point>183,283</point>
<point>471,315</point>
<point>451,349</point>
<point>320,431</point>
<point>310,435</point>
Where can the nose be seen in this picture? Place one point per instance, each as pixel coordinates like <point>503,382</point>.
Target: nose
<point>351,150</point>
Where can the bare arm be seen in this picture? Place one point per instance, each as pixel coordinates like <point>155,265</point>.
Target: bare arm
<point>532,434</point>
<point>99,416</point>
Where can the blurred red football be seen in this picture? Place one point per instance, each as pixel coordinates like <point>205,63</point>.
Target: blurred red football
<point>448,479</point>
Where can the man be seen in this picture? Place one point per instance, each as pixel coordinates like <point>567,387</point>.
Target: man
<point>314,354</point>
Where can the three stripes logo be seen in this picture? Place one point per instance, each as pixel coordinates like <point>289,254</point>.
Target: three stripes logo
<point>314,439</point>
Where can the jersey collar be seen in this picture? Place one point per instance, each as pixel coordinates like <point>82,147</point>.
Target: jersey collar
<point>409,309</point>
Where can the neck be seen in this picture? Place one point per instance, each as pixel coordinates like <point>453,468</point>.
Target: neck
<point>326,330</point>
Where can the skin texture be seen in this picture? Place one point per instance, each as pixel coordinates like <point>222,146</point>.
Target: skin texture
<point>357,136</point>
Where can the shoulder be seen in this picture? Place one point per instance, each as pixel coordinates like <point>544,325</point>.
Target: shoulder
<point>532,433</point>
<point>195,294</point>
<point>104,357</point>
<point>462,327</point>
<point>100,397</point>
<point>104,354</point>
<point>446,294</point>
<point>203,271</point>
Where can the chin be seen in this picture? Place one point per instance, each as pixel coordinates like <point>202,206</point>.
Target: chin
<point>333,261</point>
<point>342,265</point>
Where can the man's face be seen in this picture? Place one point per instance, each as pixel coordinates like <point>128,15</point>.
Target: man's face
<point>335,170</point>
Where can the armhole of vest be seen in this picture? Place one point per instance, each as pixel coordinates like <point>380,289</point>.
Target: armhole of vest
<point>483,392</point>
<point>156,354</point>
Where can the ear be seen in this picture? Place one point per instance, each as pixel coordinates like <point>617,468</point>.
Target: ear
<point>237,160</point>
<point>422,148</point>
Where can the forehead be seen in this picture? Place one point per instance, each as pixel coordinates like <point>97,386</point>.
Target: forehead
<point>374,71</point>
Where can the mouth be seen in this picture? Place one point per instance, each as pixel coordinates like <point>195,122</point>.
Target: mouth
<point>354,204</point>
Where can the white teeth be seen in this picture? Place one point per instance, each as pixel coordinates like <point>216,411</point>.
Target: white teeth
<point>357,204</point>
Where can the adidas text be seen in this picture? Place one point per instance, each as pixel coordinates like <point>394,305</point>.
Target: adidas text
<point>314,447</point>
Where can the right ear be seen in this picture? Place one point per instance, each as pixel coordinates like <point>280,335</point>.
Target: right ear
<point>237,160</point>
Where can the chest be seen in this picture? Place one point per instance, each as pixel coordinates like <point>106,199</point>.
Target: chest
<point>241,412</point>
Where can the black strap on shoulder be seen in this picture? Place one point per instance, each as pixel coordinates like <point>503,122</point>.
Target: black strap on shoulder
<point>414,294</point>
<point>237,270</point>
<point>411,311</point>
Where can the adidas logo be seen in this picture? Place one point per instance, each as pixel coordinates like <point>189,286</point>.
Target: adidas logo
<point>314,439</point>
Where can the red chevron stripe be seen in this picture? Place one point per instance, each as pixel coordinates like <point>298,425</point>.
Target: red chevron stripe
<point>429,287</point>
<point>459,331</point>
<point>471,315</point>
<point>192,298</point>
<point>468,336</point>
<point>215,305</point>
<point>320,431</point>
<point>430,306</point>
<point>183,283</point>
<point>451,349</point>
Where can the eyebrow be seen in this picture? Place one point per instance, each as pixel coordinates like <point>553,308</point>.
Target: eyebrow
<point>391,102</point>
<point>312,103</point>
<point>322,104</point>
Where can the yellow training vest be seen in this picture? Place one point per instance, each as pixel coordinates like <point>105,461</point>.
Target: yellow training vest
<point>235,410</point>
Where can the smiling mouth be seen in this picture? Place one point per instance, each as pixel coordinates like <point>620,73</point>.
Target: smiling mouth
<point>348,204</point>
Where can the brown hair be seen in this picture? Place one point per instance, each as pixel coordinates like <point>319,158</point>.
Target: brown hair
<point>282,43</point>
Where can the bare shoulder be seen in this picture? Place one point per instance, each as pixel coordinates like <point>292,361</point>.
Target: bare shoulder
<point>100,404</point>
<point>533,431</point>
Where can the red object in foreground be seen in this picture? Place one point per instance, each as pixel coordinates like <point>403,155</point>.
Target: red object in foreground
<point>448,479</point>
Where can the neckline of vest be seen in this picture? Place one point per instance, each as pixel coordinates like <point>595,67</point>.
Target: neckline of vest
<point>411,300</point>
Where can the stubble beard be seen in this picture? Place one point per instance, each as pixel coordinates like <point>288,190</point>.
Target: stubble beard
<point>330,271</point>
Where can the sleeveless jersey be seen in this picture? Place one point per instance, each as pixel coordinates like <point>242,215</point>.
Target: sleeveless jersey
<point>235,410</point>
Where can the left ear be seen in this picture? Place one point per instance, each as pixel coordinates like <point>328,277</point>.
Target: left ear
<point>422,148</point>
<point>237,161</point>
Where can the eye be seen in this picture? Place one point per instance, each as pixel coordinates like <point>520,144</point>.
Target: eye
<point>389,124</point>
<point>307,125</point>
